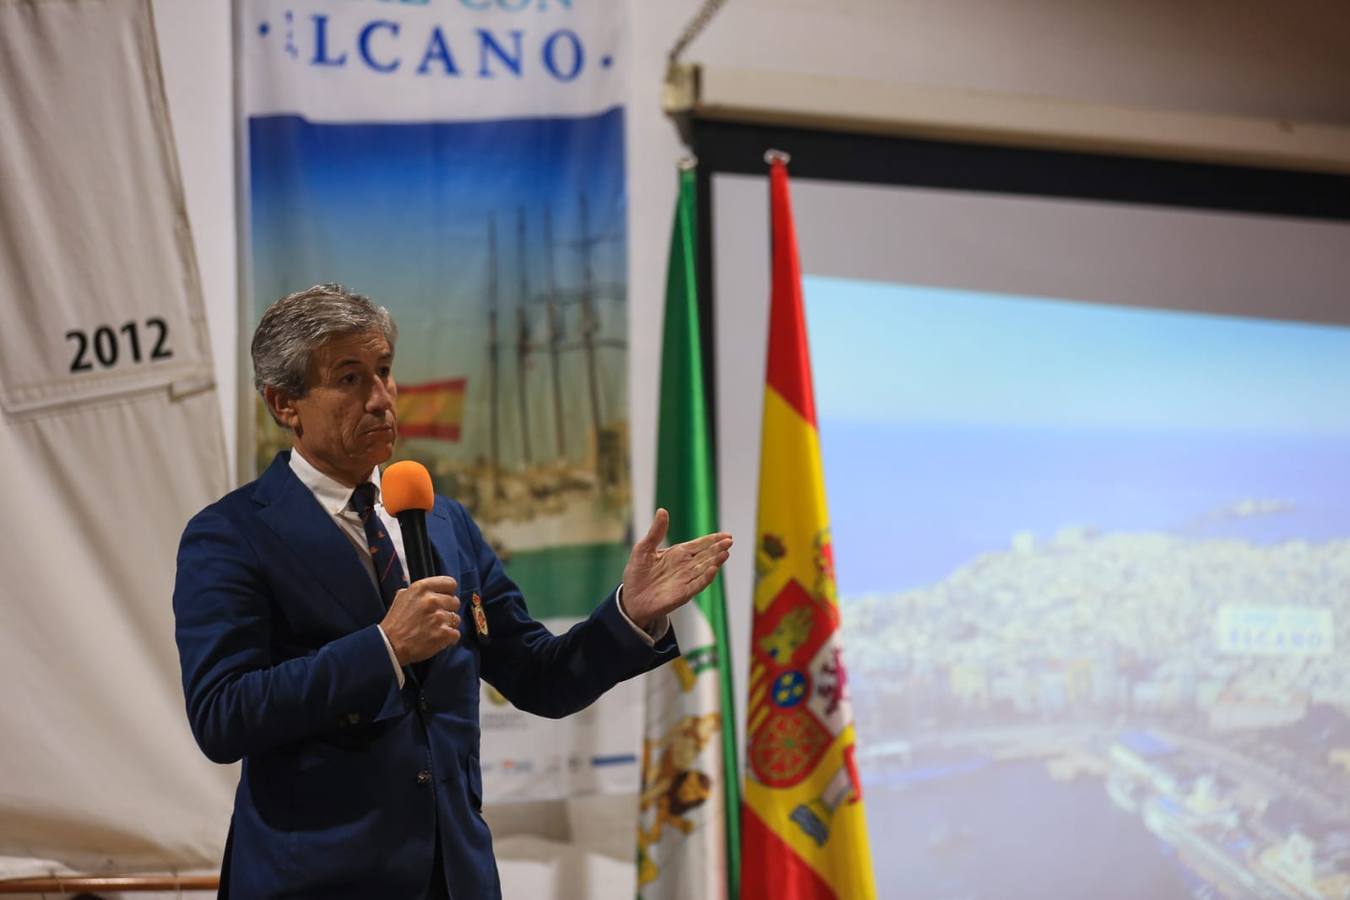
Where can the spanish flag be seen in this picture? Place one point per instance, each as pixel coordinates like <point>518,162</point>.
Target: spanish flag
<point>803,830</point>
<point>433,409</point>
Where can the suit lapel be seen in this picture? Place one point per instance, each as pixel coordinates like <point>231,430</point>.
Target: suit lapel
<point>443,543</point>
<point>305,528</point>
<point>442,536</point>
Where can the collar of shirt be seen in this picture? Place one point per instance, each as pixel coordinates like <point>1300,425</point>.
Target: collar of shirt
<point>332,494</point>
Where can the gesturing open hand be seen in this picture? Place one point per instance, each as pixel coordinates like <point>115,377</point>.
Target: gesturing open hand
<point>658,581</point>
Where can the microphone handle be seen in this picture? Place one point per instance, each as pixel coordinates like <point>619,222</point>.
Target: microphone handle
<point>416,544</point>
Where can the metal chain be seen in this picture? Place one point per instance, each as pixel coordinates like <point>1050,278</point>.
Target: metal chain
<point>695,27</point>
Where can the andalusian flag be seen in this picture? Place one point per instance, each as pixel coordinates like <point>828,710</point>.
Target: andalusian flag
<point>689,810</point>
<point>432,409</point>
<point>804,830</point>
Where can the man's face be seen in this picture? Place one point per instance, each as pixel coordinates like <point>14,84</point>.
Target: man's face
<point>346,424</point>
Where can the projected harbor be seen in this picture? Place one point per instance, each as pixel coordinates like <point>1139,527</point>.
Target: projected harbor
<point>1094,565</point>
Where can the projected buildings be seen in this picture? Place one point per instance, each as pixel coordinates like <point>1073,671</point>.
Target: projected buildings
<point>1122,624</point>
<point>1197,681</point>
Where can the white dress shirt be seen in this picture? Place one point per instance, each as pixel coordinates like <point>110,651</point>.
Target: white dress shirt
<point>335,498</point>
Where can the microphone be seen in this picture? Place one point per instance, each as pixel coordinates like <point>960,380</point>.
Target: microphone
<point>405,490</point>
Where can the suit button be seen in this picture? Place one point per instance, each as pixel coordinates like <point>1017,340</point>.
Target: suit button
<point>424,777</point>
<point>353,718</point>
<point>422,702</point>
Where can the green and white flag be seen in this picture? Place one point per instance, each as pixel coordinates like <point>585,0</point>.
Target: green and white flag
<point>689,810</point>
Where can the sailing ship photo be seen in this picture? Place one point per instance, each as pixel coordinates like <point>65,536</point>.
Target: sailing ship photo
<point>507,279</point>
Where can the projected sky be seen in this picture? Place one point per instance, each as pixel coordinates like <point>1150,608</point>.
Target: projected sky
<point>954,421</point>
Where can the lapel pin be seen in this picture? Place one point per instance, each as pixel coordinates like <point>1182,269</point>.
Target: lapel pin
<point>479,616</point>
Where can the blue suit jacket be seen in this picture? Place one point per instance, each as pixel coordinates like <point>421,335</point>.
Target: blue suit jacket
<point>345,776</point>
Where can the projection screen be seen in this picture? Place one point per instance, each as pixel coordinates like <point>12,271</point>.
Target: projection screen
<point>1087,465</point>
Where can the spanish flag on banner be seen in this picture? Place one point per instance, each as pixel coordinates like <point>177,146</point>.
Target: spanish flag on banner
<point>803,831</point>
<point>433,409</point>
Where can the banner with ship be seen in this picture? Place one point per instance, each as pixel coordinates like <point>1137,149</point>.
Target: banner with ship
<point>465,169</point>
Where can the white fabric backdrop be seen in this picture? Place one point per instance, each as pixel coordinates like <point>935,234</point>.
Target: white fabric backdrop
<point>106,452</point>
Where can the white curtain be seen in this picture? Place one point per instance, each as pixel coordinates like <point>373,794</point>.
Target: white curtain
<point>110,439</point>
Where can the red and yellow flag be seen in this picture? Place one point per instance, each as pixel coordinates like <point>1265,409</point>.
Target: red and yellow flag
<point>803,830</point>
<point>432,409</point>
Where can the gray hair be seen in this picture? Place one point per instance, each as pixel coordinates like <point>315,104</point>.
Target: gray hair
<point>298,324</point>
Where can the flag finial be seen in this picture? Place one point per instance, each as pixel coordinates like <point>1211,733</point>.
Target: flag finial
<point>772,156</point>
<point>687,163</point>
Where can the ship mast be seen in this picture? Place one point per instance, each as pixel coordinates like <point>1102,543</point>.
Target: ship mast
<point>523,338</point>
<point>590,326</point>
<point>555,335</point>
<point>494,434</point>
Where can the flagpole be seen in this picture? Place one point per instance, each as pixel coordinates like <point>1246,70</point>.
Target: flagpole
<point>689,807</point>
<point>730,758</point>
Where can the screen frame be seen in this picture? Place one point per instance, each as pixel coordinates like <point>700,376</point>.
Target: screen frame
<point>731,147</point>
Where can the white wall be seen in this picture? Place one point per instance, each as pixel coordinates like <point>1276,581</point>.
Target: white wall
<point>194,47</point>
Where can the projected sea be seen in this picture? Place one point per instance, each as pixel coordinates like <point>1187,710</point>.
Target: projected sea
<point>980,830</point>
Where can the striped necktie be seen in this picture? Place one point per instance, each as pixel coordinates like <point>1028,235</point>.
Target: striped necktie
<point>388,572</point>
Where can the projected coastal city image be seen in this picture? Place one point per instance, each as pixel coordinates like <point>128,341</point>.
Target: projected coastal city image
<point>1094,565</point>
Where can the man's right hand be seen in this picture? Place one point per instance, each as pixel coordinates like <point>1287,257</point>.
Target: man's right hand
<point>423,619</point>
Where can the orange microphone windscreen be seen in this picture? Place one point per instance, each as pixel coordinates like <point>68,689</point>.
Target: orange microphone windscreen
<point>406,485</point>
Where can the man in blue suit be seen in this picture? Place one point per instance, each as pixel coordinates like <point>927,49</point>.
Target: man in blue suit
<point>351,698</point>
